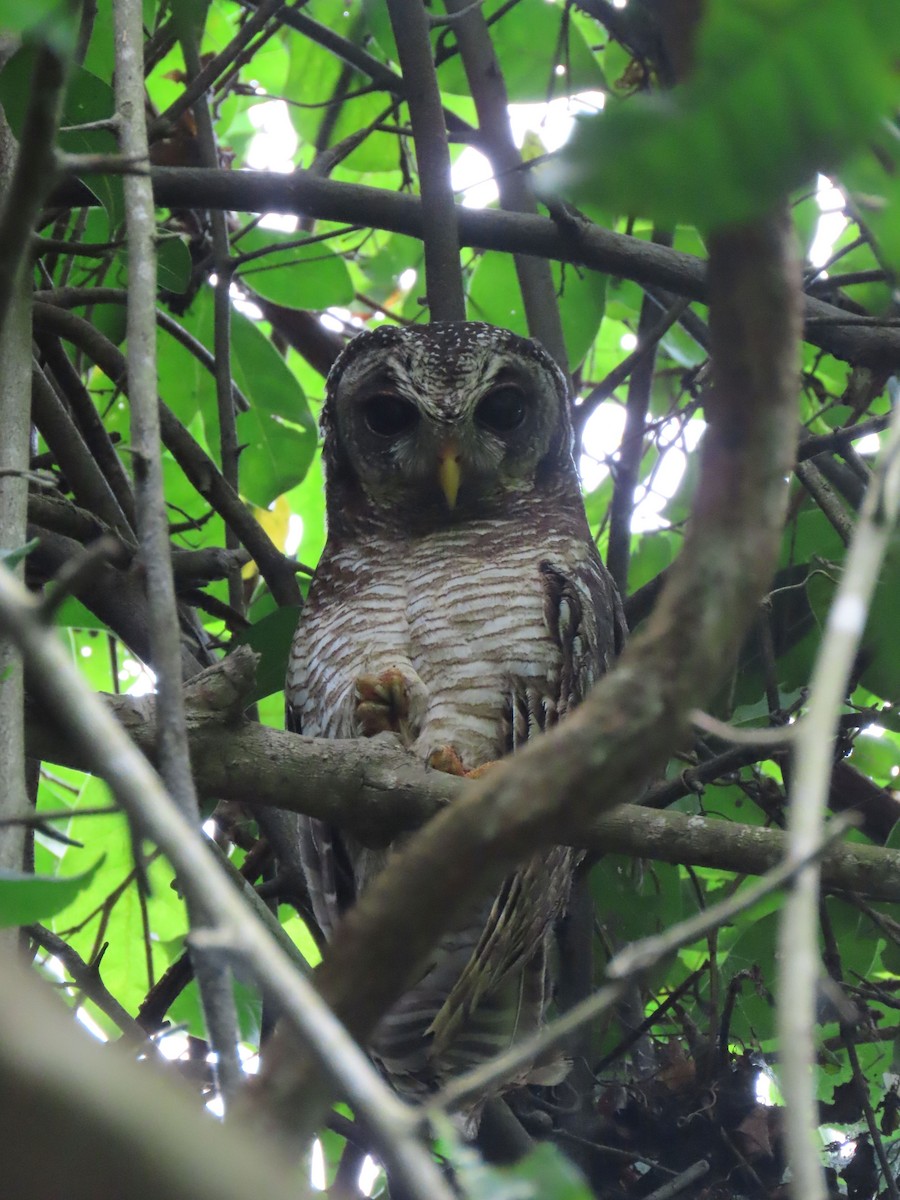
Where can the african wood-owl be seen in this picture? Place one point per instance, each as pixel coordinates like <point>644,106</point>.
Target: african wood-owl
<point>461,603</point>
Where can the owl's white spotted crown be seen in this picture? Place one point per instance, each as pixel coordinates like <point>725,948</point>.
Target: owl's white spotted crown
<point>444,352</point>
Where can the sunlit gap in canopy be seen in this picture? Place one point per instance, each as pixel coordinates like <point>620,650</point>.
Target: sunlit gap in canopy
<point>538,128</point>
<point>272,148</point>
<point>674,438</point>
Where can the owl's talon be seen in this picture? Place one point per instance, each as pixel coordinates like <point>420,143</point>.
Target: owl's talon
<point>382,702</point>
<point>446,759</point>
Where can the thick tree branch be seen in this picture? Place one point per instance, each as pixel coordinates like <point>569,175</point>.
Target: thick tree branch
<point>378,791</point>
<point>582,243</point>
<point>78,1118</point>
<point>488,90</point>
<point>15,424</point>
<point>443,274</point>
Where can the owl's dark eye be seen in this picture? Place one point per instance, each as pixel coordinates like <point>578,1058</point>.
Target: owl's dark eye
<point>502,410</point>
<point>388,415</point>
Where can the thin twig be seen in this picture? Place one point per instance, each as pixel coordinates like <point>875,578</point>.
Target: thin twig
<point>826,498</point>
<point>86,977</point>
<point>631,452</point>
<point>213,975</point>
<point>622,370</point>
<point>798,943</point>
<point>202,80</point>
<point>76,297</point>
<point>620,971</point>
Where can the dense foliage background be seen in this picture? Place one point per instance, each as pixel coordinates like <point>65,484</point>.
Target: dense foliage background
<point>690,118</point>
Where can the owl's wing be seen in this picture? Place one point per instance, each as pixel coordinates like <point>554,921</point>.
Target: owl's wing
<point>501,994</point>
<point>584,617</point>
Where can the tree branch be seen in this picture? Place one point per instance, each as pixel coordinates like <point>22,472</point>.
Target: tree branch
<point>443,274</point>
<point>379,791</point>
<point>798,933</point>
<point>238,932</point>
<point>200,469</point>
<point>581,243</point>
<point>488,90</point>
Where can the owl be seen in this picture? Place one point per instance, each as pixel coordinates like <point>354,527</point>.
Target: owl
<point>460,604</point>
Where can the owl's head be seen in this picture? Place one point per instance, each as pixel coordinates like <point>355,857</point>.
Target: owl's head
<point>443,422</point>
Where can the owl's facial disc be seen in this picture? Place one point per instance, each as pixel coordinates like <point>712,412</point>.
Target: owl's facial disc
<point>442,424</point>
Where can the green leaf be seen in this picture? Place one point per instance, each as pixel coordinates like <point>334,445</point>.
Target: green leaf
<point>12,558</point>
<point>87,100</point>
<point>51,22</point>
<point>494,296</point>
<point>543,1174</point>
<point>530,42</point>
<point>25,899</point>
<point>778,92</point>
<point>271,638</point>
<point>279,432</point>
<point>173,265</point>
<point>296,276</point>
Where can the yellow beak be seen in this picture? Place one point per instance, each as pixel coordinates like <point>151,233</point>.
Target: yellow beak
<point>449,472</point>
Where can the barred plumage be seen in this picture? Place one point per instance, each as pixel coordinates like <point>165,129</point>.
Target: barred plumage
<point>461,602</point>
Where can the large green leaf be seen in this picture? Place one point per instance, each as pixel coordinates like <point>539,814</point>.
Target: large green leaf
<point>25,899</point>
<point>778,92</point>
<point>494,296</point>
<point>279,432</point>
<point>88,100</point>
<point>296,276</point>
<point>531,42</point>
<point>52,22</point>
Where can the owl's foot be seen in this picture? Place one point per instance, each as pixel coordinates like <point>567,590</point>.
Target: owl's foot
<point>383,703</point>
<point>447,760</point>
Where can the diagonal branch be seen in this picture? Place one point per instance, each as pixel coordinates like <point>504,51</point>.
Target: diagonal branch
<point>238,933</point>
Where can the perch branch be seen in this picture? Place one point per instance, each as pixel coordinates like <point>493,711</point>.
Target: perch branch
<point>377,790</point>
